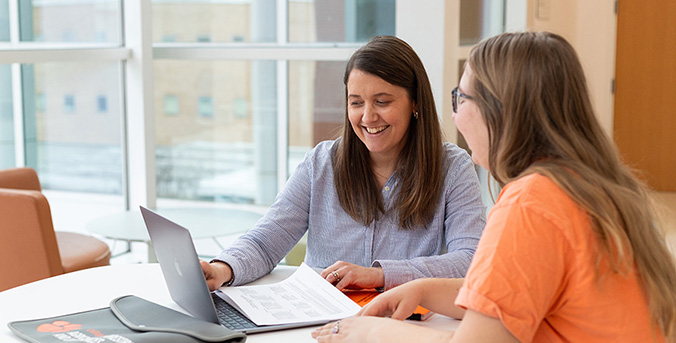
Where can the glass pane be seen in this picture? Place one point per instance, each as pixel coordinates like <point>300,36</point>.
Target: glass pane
<point>214,21</point>
<point>67,21</point>
<point>71,143</point>
<point>215,130</point>
<point>6,118</point>
<point>480,19</point>
<point>316,105</point>
<point>4,20</point>
<point>340,20</point>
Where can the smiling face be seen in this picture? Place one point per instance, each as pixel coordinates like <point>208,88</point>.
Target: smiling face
<point>471,124</point>
<point>379,112</point>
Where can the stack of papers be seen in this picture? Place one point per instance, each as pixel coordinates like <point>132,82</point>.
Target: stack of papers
<point>304,297</point>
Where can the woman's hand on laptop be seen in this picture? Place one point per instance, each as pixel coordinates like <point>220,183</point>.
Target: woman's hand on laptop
<point>216,273</point>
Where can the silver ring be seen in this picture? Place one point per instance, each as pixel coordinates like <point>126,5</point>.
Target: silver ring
<point>335,275</point>
<point>336,327</point>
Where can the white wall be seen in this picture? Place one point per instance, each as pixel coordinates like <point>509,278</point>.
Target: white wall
<point>590,26</point>
<point>423,25</point>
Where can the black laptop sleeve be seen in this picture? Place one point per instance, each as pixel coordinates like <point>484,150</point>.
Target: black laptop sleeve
<point>129,319</point>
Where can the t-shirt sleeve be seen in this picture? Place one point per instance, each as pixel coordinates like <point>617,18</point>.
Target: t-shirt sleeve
<point>518,270</point>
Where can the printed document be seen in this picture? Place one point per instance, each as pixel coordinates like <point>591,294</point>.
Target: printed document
<point>303,297</point>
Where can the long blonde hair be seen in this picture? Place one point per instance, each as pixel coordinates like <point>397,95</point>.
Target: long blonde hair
<point>532,93</point>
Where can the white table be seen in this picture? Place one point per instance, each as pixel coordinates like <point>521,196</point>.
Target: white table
<point>95,288</point>
<point>202,223</point>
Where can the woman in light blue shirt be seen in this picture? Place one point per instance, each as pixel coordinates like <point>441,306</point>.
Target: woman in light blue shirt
<point>386,203</point>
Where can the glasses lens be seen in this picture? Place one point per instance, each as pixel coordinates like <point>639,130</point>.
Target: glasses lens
<point>454,99</point>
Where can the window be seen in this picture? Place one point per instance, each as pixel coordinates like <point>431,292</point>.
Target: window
<point>69,103</point>
<point>340,21</point>
<point>220,159</point>
<point>168,38</point>
<point>219,20</point>
<point>233,115</point>
<point>7,145</point>
<point>4,21</point>
<point>170,105</point>
<point>102,104</point>
<point>74,153</point>
<point>70,153</point>
<point>87,21</point>
<point>205,106</point>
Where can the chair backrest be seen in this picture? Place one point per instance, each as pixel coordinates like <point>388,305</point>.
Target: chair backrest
<point>20,178</point>
<point>28,247</point>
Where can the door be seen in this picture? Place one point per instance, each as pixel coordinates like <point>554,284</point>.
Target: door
<point>645,89</point>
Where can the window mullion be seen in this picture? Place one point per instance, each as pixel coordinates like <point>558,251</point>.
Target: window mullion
<point>17,104</point>
<point>49,54</point>
<point>14,21</point>
<point>17,90</point>
<point>282,22</point>
<point>282,97</point>
<point>139,100</point>
<point>282,123</point>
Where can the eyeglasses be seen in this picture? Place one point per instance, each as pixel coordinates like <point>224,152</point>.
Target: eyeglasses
<point>456,96</point>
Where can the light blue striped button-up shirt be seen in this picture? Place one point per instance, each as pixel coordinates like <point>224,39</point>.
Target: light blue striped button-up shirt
<point>309,203</point>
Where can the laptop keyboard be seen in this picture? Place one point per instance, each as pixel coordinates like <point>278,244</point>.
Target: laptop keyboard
<point>230,317</point>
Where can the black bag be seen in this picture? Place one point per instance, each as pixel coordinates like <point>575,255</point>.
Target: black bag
<point>129,319</point>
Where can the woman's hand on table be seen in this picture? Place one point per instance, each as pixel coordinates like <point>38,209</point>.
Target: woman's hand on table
<point>346,275</point>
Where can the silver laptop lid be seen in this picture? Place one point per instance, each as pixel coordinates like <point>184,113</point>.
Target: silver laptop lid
<point>180,265</point>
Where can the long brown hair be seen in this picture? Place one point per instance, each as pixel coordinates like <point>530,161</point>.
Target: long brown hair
<point>420,185</point>
<point>532,93</point>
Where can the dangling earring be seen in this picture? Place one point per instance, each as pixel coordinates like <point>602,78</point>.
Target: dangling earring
<point>415,114</point>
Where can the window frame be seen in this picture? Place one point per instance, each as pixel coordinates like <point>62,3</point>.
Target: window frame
<point>429,27</point>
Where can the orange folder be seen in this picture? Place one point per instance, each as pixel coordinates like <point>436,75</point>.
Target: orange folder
<point>364,296</point>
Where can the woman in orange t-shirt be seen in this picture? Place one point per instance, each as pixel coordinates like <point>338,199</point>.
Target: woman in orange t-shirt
<point>571,251</point>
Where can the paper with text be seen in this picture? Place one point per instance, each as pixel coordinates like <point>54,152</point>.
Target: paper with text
<point>303,297</point>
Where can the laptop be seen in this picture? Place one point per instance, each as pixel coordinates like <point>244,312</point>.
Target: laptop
<point>185,280</point>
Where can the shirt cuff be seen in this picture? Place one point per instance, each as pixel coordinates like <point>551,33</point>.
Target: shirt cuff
<point>395,273</point>
<point>235,266</point>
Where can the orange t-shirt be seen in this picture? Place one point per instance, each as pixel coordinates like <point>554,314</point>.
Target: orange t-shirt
<point>534,270</point>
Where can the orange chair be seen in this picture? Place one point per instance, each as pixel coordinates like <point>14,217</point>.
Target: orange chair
<point>30,249</point>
